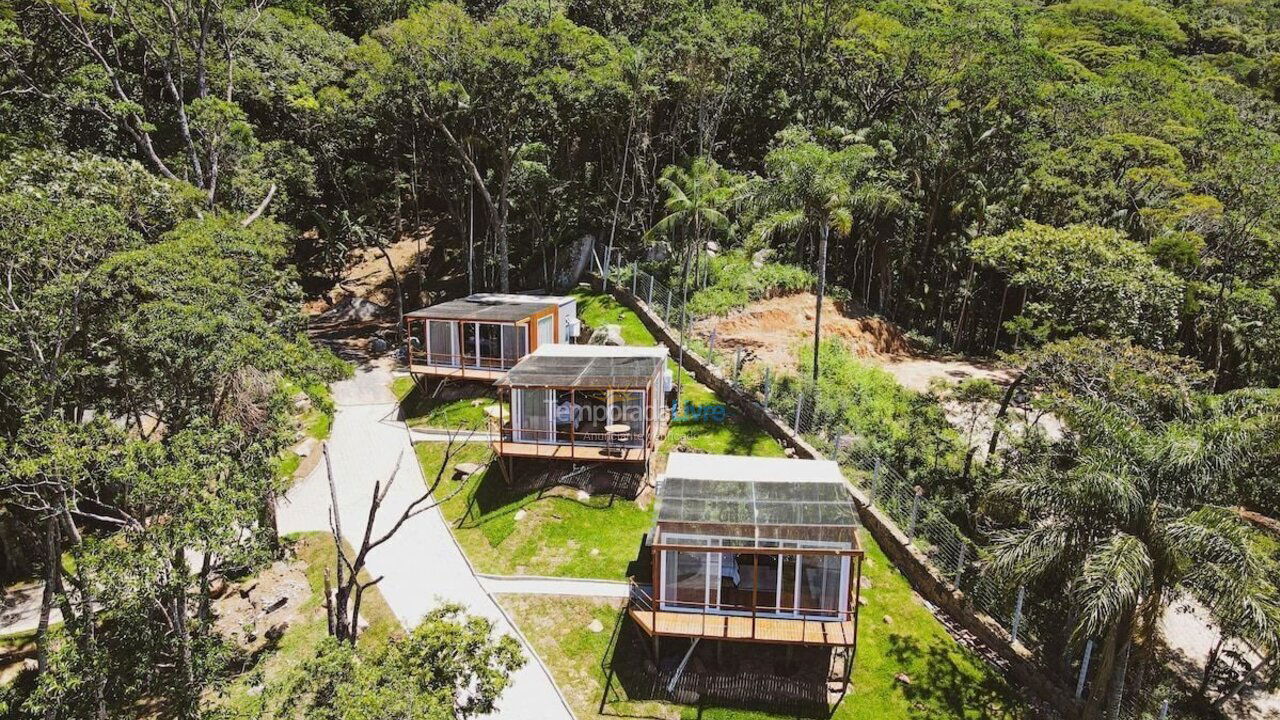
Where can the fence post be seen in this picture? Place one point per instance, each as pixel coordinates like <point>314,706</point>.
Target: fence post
<point>666,317</point>
<point>960,563</point>
<point>635,273</point>
<point>1164,709</point>
<point>607,253</point>
<point>915,513</point>
<point>711,349</point>
<point>768,386</point>
<point>795,426</point>
<point>1084,669</point>
<point>875,480</point>
<point>649,302</point>
<point>1017,612</point>
<point>737,364</point>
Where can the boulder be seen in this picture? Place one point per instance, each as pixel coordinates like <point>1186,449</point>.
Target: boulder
<point>659,251</point>
<point>607,335</point>
<point>760,257</point>
<point>596,626</point>
<point>888,620</point>
<point>352,309</point>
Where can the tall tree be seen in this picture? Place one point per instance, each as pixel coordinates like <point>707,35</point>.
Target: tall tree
<point>810,189</point>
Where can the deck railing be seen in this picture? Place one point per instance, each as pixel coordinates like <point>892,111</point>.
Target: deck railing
<point>457,360</point>
<point>634,439</point>
<point>714,621</point>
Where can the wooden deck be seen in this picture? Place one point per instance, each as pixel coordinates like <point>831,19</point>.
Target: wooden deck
<point>459,373</point>
<point>548,451</point>
<point>733,627</point>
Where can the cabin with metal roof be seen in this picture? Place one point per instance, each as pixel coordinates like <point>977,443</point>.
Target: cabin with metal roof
<point>752,549</point>
<point>481,336</point>
<point>595,403</point>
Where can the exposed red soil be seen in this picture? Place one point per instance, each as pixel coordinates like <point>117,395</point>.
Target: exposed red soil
<point>771,329</point>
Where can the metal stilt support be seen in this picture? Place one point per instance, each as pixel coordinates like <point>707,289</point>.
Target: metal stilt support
<point>671,686</point>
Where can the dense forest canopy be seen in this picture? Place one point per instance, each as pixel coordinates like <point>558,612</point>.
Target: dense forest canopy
<point>1093,184</point>
<point>1139,134</point>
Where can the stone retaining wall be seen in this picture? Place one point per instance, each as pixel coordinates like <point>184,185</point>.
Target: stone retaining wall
<point>925,578</point>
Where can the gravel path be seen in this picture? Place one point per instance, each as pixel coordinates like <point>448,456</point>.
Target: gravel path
<point>422,565</point>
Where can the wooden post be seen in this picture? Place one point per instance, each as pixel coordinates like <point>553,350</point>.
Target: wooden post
<point>755,590</point>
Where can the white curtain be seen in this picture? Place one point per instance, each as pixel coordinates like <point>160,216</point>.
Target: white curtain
<point>441,343</point>
<point>532,416</point>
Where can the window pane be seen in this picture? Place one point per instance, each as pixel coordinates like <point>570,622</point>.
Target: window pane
<point>821,583</point>
<point>532,415</point>
<point>687,578</point>
<point>440,341</point>
<point>469,343</point>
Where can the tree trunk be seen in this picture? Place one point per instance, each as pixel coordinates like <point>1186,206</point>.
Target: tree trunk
<point>1115,694</point>
<point>52,567</point>
<point>1002,412</point>
<point>395,279</point>
<point>822,289</point>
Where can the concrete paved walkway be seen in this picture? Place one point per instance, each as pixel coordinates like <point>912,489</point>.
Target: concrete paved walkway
<point>422,565</point>
<point>530,585</point>
<point>441,435</point>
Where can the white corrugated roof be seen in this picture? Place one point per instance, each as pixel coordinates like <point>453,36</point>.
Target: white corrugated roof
<point>694,466</point>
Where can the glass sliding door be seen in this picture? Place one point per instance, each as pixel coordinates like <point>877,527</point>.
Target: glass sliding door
<point>470,346</point>
<point>442,343</point>
<point>489,341</point>
<point>515,344</point>
<point>532,415</point>
<point>685,583</point>
<point>627,407</point>
<point>824,585</point>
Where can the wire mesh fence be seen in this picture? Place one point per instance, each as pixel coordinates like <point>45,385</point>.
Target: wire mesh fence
<point>956,558</point>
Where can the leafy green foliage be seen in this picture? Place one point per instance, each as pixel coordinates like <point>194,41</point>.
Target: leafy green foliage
<point>734,282</point>
<point>449,666</point>
<point>1086,280</point>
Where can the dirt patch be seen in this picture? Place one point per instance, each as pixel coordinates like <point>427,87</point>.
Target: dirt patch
<point>367,276</point>
<point>254,614</point>
<point>771,329</point>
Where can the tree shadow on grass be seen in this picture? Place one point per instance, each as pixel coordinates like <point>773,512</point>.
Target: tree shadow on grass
<point>939,688</point>
<point>493,502</point>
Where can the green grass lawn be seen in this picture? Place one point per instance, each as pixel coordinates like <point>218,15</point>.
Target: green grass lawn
<point>462,407</point>
<point>596,310</point>
<point>275,670</point>
<point>557,535</point>
<point>946,680</point>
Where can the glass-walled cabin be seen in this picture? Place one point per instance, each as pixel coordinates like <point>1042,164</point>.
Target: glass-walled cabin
<point>590,402</point>
<point>482,336</point>
<point>752,548</point>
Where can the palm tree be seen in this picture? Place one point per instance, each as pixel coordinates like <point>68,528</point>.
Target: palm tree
<point>694,198</point>
<point>1121,519</point>
<point>812,189</point>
